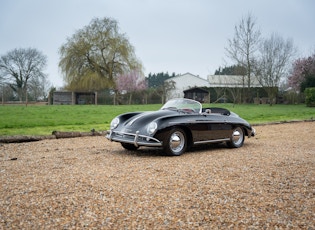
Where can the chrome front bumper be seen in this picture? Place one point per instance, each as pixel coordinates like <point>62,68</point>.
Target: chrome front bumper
<point>133,138</point>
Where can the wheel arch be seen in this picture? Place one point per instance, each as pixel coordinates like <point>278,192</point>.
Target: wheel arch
<point>187,131</point>
<point>246,130</point>
<point>188,134</point>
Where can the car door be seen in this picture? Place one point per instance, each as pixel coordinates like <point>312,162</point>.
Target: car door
<point>211,127</point>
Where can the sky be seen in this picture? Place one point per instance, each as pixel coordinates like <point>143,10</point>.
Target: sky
<point>174,36</point>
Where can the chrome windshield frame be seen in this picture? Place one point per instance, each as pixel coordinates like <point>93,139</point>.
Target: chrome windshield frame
<point>183,103</point>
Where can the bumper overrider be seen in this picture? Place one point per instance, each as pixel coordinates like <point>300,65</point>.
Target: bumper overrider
<point>133,138</point>
<point>253,132</point>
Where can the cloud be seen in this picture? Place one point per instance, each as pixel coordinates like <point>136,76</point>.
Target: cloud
<point>168,35</point>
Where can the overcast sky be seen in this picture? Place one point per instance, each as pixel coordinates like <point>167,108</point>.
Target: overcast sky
<point>168,35</point>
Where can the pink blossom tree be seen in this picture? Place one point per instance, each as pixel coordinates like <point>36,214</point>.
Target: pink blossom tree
<point>302,68</point>
<point>130,83</point>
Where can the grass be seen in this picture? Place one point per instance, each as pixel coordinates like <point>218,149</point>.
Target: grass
<point>42,120</point>
<point>258,114</point>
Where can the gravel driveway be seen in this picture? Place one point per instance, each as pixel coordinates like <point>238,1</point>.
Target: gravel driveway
<point>89,182</point>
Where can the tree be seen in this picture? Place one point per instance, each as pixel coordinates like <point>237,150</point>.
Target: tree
<point>167,88</point>
<point>157,80</point>
<point>242,48</point>
<point>130,83</point>
<point>20,66</point>
<point>231,70</point>
<point>303,74</point>
<point>309,82</point>
<point>39,88</point>
<point>7,93</point>
<point>236,92</point>
<point>159,86</point>
<point>95,55</point>
<point>275,56</point>
<point>310,96</point>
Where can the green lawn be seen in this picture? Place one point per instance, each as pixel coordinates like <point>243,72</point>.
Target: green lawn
<point>42,120</point>
<point>257,114</point>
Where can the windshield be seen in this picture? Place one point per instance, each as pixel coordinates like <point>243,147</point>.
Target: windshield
<point>183,104</point>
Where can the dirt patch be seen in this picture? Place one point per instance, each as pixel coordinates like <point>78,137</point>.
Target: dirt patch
<point>89,182</point>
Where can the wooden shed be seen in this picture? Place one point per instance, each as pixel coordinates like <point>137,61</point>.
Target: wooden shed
<point>198,94</point>
<point>74,98</point>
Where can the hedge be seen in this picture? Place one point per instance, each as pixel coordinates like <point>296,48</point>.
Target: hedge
<point>310,97</point>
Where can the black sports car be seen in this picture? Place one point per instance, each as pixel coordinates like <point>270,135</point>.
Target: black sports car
<point>178,125</point>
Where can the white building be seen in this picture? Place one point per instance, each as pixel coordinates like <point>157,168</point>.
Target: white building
<point>184,82</point>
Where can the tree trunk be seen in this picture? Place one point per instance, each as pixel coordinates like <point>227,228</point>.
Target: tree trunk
<point>21,138</point>
<point>59,134</point>
<point>130,97</point>
<point>55,134</point>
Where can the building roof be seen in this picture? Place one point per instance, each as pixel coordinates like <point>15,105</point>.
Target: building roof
<point>185,74</point>
<point>231,81</point>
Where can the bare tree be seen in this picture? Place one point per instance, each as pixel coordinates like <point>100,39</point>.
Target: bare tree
<point>235,90</point>
<point>242,48</point>
<point>166,90</point>
<point>19,66</point>
<point>276,54</point>
<point>39,88</point>
<point>6,93</point>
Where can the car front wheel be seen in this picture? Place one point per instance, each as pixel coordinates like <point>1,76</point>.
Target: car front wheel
<point>237,138</point>
<point>175,142</point>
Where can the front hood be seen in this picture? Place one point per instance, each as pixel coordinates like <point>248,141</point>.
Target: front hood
<point>145,118</point>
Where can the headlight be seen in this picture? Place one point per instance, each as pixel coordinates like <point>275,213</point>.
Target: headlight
<point>114,123</point>
<point>152,127</point>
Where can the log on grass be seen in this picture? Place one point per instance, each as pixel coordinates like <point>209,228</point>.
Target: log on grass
<point>60,134</point>
<point>24,138</point>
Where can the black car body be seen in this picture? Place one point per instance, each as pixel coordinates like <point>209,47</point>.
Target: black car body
<point>178,125</point>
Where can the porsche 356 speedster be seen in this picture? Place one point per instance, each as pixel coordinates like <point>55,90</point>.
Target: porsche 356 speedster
<point>180,124</point>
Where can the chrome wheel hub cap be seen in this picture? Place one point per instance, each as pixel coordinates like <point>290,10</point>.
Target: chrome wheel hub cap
<point>237,136</point>
<point>177,141</point>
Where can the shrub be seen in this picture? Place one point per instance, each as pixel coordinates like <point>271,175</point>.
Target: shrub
<point>310,97</point>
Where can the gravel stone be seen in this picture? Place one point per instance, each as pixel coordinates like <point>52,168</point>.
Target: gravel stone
<point>90,182</point>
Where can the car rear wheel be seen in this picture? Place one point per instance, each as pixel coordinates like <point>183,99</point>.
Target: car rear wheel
<point>175,142</point>
<point>237,138</point>
<point>129,146</point>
